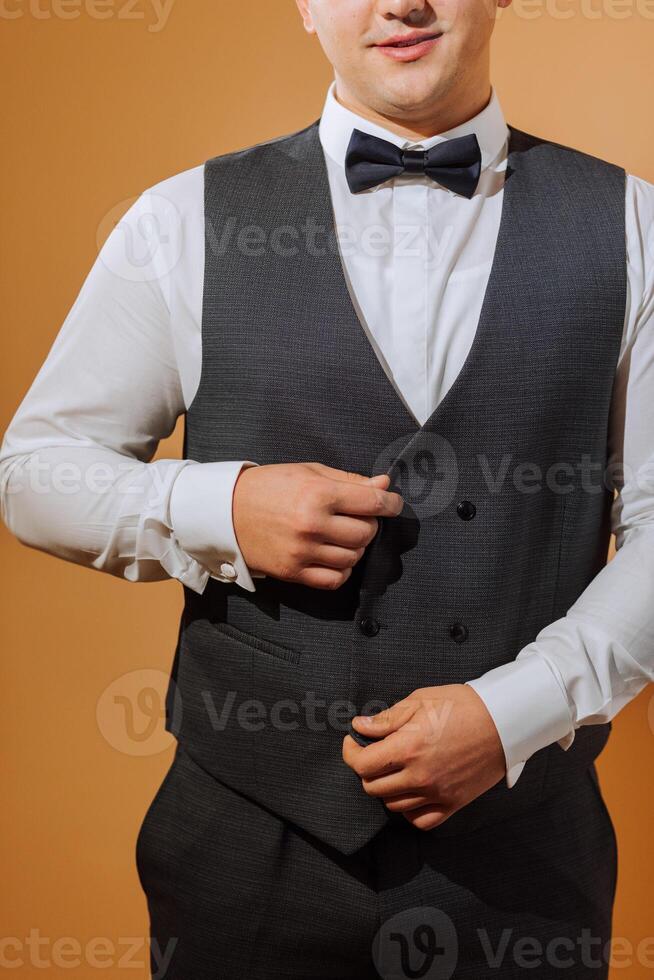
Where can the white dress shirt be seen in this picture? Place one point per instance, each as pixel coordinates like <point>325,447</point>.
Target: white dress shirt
<point>76,476</point>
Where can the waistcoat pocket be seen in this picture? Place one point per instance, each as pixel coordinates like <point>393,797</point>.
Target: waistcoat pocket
<point>258,643</point>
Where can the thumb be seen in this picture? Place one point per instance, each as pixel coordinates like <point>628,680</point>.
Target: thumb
<point>382,480</point>
<point>386,721</point>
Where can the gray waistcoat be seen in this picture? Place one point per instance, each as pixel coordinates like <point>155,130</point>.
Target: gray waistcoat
<point>507,515</point>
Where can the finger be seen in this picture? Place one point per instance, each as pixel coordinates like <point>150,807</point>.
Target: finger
<point>405,802</point>
<point>427,817</point>
<point>350,532</point>
<point>369,761</point>
<point>351,752</point>
<point>396,784</point>
<point>347,476</point>
<point>319,577</point>
<point>387,721</point>
<point>329,556</point>
<point>364,501</point>
<point>379,759</point>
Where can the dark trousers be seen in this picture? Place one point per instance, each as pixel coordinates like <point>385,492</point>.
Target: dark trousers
<point>235,893</point>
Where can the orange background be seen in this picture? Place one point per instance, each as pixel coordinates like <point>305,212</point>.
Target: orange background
<point>95,111</point>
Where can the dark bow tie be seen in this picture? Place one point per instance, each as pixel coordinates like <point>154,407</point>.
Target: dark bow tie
<point>455,163</point>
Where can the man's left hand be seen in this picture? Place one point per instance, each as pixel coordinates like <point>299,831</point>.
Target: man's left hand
<point>439,749</point>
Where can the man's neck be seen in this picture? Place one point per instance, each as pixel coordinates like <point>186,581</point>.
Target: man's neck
<point>442,120</point>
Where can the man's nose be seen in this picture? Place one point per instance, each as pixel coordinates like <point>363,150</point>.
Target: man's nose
<point>413,11</point>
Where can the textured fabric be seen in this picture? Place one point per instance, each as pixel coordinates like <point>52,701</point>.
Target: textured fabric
<point>236,892</point>
<point>266,682</point>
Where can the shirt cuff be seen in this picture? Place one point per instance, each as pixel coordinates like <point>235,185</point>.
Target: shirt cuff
<point>201,519</point>
<point>529,708</point>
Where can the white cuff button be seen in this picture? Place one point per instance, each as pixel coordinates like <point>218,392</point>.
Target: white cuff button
<point>228,570</point>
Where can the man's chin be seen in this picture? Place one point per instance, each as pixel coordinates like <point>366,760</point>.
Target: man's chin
<point>409,96</point>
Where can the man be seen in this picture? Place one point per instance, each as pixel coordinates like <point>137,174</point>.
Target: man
<point>412,347</point>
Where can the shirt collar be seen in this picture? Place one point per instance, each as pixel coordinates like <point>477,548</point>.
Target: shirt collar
<point>337,123</point>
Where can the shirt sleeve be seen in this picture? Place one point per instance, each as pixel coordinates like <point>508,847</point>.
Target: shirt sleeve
<point>201,515</point>
<point>77,478</point>
<point>584,667</point>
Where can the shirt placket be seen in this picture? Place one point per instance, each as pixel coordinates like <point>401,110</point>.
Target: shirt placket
<point>409,307</point>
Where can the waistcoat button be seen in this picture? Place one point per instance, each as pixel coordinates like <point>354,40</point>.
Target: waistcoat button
<point>369,626</point>
<point>466,510</point>
<point>459,632</point>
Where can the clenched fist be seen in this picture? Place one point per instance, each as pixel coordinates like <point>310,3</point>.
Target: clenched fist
<point>307,522</point>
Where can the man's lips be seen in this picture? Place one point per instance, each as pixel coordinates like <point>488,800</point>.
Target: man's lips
<point>408,47</point>
<point>414,37</point>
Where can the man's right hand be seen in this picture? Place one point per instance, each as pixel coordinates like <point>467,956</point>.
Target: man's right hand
<point>307,522</point>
